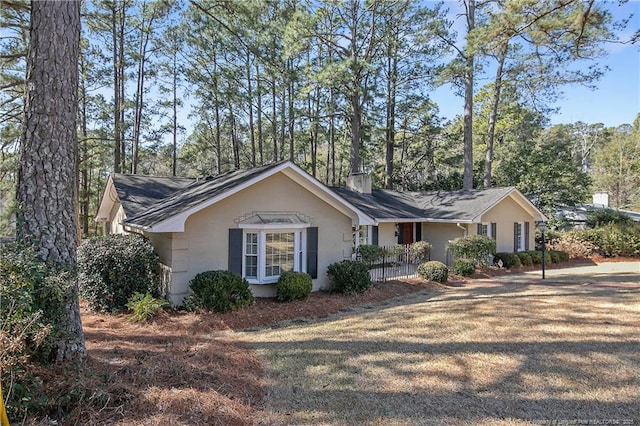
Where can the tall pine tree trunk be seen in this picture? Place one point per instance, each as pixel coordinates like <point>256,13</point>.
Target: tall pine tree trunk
<point>117,161</point>
<point>252,132</point>
<point>467,182</point>
<point>488,158</point>
<point>47,170</point>
<point>259,115</point>
<point>390,131</point>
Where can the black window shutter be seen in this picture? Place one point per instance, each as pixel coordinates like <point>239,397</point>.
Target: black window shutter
<point>526,235</point>
<point>479,231</point>
<point>312,251</point>
<point>235,251</point>
<point>493,231</point>
<point>401,233</point>
<point>374,235</point>
<point>418,231</point>
<point>515,237</point>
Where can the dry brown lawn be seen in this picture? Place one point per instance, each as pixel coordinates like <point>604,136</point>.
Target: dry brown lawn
<point>489,353</point>
<point>401,353</point>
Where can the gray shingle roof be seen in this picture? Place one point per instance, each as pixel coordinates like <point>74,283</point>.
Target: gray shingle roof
<point>435,205</point>
<point>196,193</point>
<point>138,192</point>
<point>149,200</point>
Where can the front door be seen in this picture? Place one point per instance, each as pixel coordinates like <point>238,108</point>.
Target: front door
<point>406,233</point>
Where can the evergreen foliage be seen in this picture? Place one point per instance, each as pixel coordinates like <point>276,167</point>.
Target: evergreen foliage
<point>219,291</point>
<point>115,267</point>
<point>434,271</point>
<point>293,285</point>
<point>349,276</point>
<point>478,248</point>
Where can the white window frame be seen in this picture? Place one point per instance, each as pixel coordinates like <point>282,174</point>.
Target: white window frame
<point>362,235</point>
<point>489,227</point>
<point>299,249</point>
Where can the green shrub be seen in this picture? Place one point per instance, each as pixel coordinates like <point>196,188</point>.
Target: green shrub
<point>33,318</point>
<point>115,267</point>
<point>620,240</point>
<point>434,271</point>
<point>525,258</point>
<point>562,256</point>
<point>536,256</point>
<point>475,247</point>
<point>463,267</point>
<point>349,276</point>
<point>145,306</point>
<point>555,257</point>
<point>509,260</point>
<point>219,291</point>
<point>371,254</point>
<point>293,285</point>
<point>598,218</point>
<point>420,252</point>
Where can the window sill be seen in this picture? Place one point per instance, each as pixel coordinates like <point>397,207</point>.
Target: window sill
<point>270,281</point>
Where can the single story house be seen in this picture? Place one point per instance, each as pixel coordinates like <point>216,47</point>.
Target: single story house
<point>438,217</point>
<point>277,217</point>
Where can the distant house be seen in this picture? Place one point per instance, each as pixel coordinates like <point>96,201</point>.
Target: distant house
<point>262,221</point>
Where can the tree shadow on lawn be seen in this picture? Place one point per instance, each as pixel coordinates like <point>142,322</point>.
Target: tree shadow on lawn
<point>513,357</point>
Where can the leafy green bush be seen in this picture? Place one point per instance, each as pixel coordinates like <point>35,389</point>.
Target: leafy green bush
<point>598,218</point>
<point>349,276</point>
<point>555,258</point>
<point>371,254</point>
<point>562,256</point>
<point>115,267</point>
<point>33,317</point>
<point>620,240</point>
<point>293,285</point>
<point>434,271</point>
<point>536,256</point>
<point>475,247</point>
<point>509,260</point>
<point>219,291</point>
<point>613,239</point>
<point>145,306</point>
<point>462,266</point>
<point>420,251</point>
<point>525,258</point>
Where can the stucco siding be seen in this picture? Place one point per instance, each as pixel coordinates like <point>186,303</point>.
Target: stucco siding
<point>207,231</point>
<point>439,235</point>
<point>387,234</point>
<point>505,214</point>
<point>117,217</point>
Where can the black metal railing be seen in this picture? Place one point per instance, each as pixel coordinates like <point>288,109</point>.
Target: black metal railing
<point>397,262</point>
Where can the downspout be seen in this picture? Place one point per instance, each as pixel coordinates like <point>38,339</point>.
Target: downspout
<point>464,230</point>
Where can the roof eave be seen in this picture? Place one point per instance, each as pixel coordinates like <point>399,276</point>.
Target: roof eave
<point>422,219</point>
<point>176,223</point>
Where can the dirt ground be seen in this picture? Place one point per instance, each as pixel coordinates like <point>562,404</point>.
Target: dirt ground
<point>189,369</point>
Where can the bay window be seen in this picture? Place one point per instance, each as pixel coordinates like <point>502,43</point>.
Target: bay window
<point>268,253</point>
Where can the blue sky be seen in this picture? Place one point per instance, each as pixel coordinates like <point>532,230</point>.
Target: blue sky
<point>616,100</point>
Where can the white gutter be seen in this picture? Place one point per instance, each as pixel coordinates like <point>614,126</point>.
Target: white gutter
<point>463,229</point>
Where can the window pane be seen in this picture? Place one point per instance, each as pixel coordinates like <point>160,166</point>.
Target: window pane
<point>252,244</point>
<point>251,267</point>
<point>279,253</point>
<point>251,255</point>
